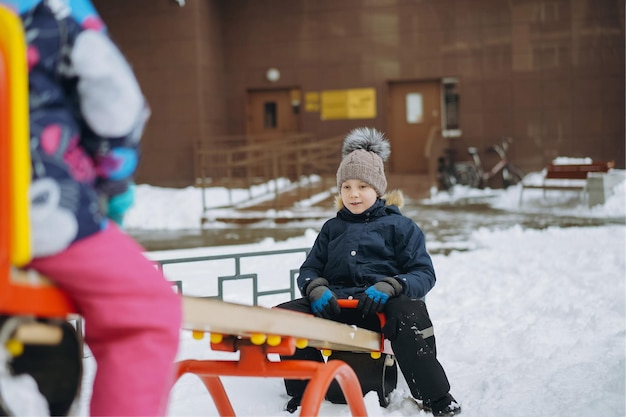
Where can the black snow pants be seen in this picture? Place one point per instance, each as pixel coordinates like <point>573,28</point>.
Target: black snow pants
<point>410,331</point>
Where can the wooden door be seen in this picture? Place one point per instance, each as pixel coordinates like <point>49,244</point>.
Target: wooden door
<point>272,111</point>
<point>414,110</point>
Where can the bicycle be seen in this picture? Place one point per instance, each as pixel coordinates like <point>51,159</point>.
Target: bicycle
<point>473,174</point>
<point>451,173</point>
<point>446,174</point>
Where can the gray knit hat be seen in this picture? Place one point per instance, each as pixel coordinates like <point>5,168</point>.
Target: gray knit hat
<point>364,152</point>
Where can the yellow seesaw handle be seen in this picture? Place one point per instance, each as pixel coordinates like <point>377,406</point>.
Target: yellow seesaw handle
<point>13,50</point>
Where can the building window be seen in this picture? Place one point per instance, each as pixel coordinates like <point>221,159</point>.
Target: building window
<point>450,103</point>
<point>414,108</point>
<point>270,118</point>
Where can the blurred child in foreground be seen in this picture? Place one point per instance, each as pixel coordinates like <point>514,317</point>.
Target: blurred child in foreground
<point>87,114</point>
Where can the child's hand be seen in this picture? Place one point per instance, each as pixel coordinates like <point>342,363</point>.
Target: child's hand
<point>323,301</point>
<point>119,204</point>
<point>376,296</point>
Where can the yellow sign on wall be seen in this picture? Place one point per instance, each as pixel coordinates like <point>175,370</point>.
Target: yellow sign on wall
<point>359,103</point>
<point>312,101</point>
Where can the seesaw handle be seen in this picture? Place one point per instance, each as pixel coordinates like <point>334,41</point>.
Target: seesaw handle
<point>347,303</point>
<point>352,303</point>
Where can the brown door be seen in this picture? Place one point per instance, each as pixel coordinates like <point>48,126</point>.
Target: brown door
<point>272,111</point>
<point>414,110</point>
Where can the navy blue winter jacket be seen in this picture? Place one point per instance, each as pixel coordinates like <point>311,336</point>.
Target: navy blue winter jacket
<point>354,252</point>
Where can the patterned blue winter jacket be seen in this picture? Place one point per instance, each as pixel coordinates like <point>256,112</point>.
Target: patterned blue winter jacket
<point>355,251</point>
<point>87,114</point>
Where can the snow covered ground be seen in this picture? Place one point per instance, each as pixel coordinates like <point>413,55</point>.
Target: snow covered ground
<point>528,322</point>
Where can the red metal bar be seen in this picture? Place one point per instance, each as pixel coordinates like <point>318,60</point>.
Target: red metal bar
<point>352,303</point>
<point>253,362</point>
<point>218,393</point>
<point>319,383</point>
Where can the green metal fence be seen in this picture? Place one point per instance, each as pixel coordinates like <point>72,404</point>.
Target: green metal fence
<point>210,276</point>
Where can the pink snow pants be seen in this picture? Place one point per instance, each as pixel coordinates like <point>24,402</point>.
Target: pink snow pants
<point>132,320</point>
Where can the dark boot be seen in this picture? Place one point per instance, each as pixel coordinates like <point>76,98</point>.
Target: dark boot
<point>293,404</point>
<point>446,406</point>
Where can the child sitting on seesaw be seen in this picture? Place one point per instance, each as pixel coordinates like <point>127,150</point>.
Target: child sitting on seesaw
<point>371,252</point>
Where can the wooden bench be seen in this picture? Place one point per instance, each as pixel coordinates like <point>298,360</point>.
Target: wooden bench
<point>567,177</point>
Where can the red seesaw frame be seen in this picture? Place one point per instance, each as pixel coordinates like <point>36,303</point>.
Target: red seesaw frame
<point>256,332</point>
<point>253,362</point>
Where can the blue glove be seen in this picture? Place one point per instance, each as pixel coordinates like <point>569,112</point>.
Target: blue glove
<point>375,297</point>
<point>323,301</point>
<point>119,204</point>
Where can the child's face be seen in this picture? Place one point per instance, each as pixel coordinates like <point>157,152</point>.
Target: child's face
<point>357,196</point>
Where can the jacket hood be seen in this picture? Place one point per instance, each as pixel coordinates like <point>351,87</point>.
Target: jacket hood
<point>391,198</point>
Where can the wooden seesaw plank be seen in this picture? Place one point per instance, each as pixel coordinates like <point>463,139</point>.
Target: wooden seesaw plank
<point>242,320</point>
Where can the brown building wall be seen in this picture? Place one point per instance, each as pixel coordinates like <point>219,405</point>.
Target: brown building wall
<point>177,56</point>
<point>548,73</point>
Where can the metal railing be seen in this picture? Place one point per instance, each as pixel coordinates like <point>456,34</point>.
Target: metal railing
<point>244,161</point>
<point>208,276</point>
